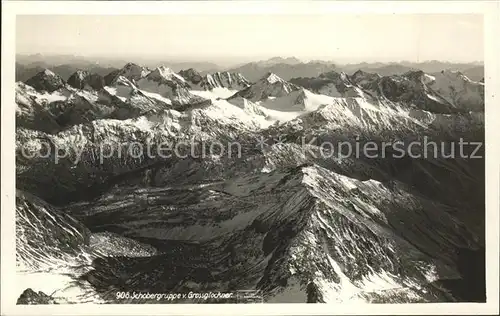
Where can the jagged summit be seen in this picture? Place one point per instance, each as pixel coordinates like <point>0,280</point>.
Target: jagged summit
<point>134,69</point>
<point>444,92</point>
<point>164,82</point>
<point>83,79</point>
<point>46,80</point>
<point>310,225</point>
<point>455,75</point>
<point>360,75</point>
<point>123,81</point>
<point>162,71</point>
<point>360,72</point>
<point>228,80</point>
<point>130,71</point>
<point>130,65</point>
<point>165,75</point>
<point>272,78</point>
<point>342,76</point>
<point>49,72</point>
<point>268,86</point>
<point>192,75</point>
<point>414,74</point>
<point>366,80</point>
<point>332,83</point>
<point>419,76</point>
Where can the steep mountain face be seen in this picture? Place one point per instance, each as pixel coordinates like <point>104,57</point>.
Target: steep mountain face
<point>365,79</point>
<point>283,213</point>
<point>54,249</point>
<point>458,90</point>
<point>255,71</point>
<point>46,81</point>
<point>268,86</point>
<point>84,144</point>
<point>62,108</point>
<point>284,225</point>
<point>447,92</point>
<point>30,112</point>
<point>25,71</point>
<point>85,80</point>
<point>474,71</point>
<point>288,68</point>
<point>130,71</point>
<point>233,81</point>
<point>155,89</point>
<point>205,67</point>
<point>51,105</point>
<point>285,67</point>
<point>166,83</point>
<point>64,235</point>
<point>164,75</point>
<point>192,76</point>
<point>331,83</point>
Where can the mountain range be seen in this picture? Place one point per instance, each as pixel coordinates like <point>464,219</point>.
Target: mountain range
<point>287,68</point>
<point>282,217</point>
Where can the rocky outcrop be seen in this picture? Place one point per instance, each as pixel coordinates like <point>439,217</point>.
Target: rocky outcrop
<point>332,83</point>
<point>130,71</point>
<point>166,83</point>
<point>268,86</point>
<point>82,79</point>
<point>232,81</point>
<point>46,81</point>
<point>30,297</point>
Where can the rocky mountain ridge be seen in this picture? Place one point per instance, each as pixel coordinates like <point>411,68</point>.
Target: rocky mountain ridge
<point>280,216</point>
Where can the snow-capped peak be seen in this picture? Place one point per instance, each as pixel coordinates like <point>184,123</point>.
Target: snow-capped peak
<point>81,74</point>
<point>46,80</point>
<point>428,79</point>
<point>134,71</point>
<point>163,72</point>
<point>293,216</point>
<point>131,66</point>
<point>130,71</point>
<point>272,78</point>
<point>359,73</point>
<point>82,79</point>
<point>229,80</point>
<point>363,78</point>
<point>123,81</point>
<point>48,72</point>
<point>455,75</point>
<point>269,86</point>
<point>336,76</point>
<point>192,75</point>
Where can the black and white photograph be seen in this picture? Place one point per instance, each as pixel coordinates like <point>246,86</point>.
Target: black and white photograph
<point>249,159</point>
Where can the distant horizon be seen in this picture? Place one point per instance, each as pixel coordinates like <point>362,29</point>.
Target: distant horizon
<point>145,59</point>
<point>238,39</point>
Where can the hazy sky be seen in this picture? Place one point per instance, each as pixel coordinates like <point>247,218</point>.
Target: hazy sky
<point>341,38</point>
